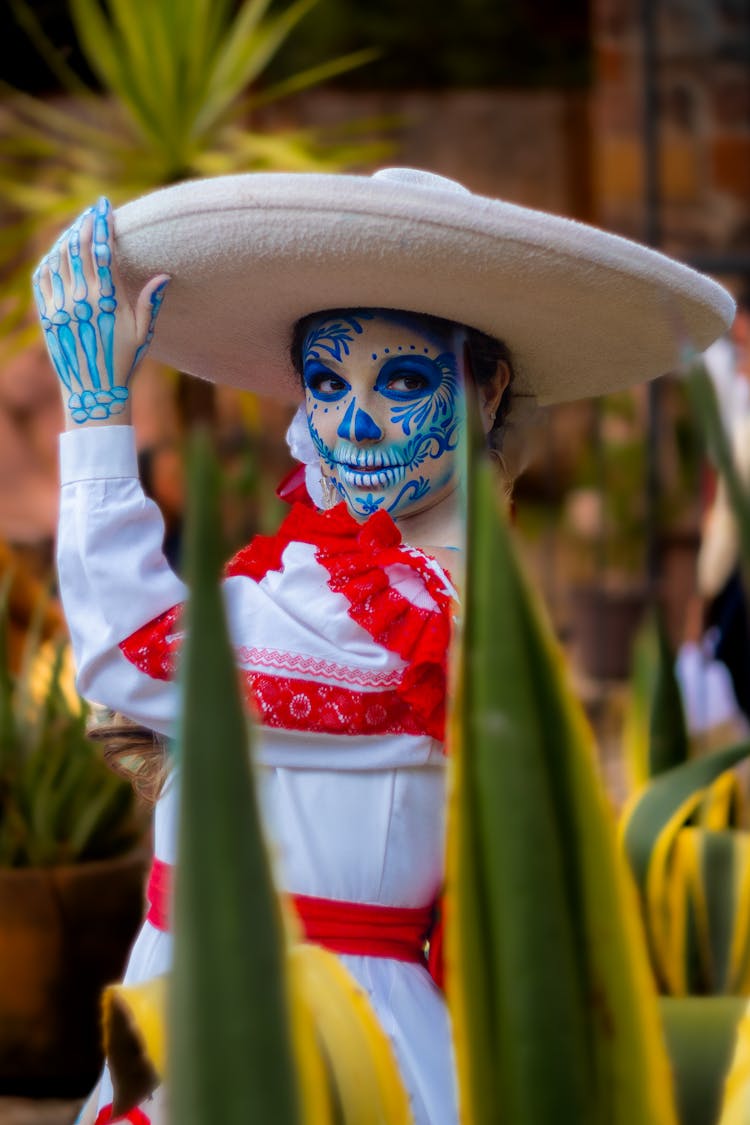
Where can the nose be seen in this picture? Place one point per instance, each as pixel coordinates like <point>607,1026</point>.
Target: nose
<point>357,425</point>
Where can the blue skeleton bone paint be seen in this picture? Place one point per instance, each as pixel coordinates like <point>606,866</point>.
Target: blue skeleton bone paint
<point>94,393</point>
<point>430,417</point>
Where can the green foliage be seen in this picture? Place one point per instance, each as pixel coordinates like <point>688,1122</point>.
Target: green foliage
<point>59,802</point>
<point>691,861</point>
<point>612,466</point>
<point>230,1038</point>
<point>655,736</point>
<point>701,1035</point>
<point>545,936</point>
<point>178,89</point>
<point>706,411</point>
<point>458,43</point>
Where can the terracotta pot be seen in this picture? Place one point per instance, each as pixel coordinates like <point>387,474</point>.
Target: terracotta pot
<point>604,627</point>
<point>64,933</point>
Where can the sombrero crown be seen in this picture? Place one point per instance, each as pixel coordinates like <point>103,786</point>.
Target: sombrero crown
<point>584,312</point>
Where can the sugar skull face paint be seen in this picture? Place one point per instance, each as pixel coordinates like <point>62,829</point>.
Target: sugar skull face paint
<point>385,405</point>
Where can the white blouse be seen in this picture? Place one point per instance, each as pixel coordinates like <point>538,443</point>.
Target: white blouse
<point>340,634</point>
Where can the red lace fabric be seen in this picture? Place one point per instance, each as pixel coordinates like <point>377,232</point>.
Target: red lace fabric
<point>356,557</point>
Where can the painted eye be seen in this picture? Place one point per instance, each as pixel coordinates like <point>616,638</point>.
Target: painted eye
<point>327,384</point>
<point>324,384</point>
<point>407,377</point>
<point>409,382</point>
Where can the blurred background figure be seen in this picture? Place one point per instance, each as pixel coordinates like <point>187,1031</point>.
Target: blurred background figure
<point>714,663</point>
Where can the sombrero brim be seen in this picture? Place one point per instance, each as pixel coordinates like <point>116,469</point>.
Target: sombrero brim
<point>583,312</point>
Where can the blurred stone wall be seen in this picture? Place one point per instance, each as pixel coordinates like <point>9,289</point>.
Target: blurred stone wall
<point>577,153</point>
<point>703,84</point>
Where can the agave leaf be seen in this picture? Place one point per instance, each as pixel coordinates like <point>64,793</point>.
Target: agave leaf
<point>721,855</point>
<point>701,1032</point>
<point>314,76</point>
<point>539,894</point>
<point>231,1048</point>
<point>227,76</point>
<point>668,733</point>
<point>638,707</point>
<point>96,839</point>
<point>740,952</point>
<point>690,882</point>
<point>53,120</point>
<point>723,805</point>
<point>104,53</point>
<point>26,18</point>
<point>667,803</point>
<point>655,736</point>
<point>706,410</point>
<point>95,38</point>
<point>238,68</point>
<point>23,701</point>
<point>140,30</point>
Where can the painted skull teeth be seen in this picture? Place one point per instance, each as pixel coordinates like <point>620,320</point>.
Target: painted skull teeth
<point>360,477</point>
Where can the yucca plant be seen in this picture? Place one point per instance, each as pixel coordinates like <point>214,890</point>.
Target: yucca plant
<point>60,803</point>
<point>179,84</point>
<point>554,1007</point>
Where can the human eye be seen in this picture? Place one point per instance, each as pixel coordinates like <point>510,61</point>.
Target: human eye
<point>408,377</point>
<point>324,383</point>
<point>408,382</point>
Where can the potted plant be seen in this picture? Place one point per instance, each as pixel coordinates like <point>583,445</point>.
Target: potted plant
<point>71,874</point>
<point>610,520</point>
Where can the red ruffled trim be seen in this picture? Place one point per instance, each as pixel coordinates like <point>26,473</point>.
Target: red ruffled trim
<point>293,488</point>
<point>356,557</point>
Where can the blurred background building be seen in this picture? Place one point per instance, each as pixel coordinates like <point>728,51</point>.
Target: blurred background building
<point>632,116</point>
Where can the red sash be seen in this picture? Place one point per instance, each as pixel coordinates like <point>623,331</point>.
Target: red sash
<point>343,927</point>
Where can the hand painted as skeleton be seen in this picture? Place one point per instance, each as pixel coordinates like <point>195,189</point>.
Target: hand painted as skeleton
<point>94,337</point>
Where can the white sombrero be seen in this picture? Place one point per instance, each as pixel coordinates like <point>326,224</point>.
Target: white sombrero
<point>583,312</point>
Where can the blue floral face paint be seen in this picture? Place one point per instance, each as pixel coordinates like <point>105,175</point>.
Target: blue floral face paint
<point>385,406</point>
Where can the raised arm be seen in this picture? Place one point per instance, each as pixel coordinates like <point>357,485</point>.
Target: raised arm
<point>94,337</point>
<point>113,575</point>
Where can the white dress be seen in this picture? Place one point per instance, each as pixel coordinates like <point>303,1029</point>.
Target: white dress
<point>341,634</point>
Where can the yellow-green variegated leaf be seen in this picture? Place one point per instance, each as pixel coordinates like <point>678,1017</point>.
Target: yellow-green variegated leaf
<point>723,804</point>
<point>231,1053</point>
<point>653,816</point>
<point>543,931</point>
<point>735,1109</point>
<point>701,1032</point>
<point>697,913</point>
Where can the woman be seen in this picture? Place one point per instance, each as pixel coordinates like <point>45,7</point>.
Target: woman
<point>341,621</point>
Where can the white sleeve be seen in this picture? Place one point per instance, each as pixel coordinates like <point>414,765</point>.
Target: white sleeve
<point>113,576</point>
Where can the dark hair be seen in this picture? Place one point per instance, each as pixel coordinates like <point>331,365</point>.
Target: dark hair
<point>485,352</point>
